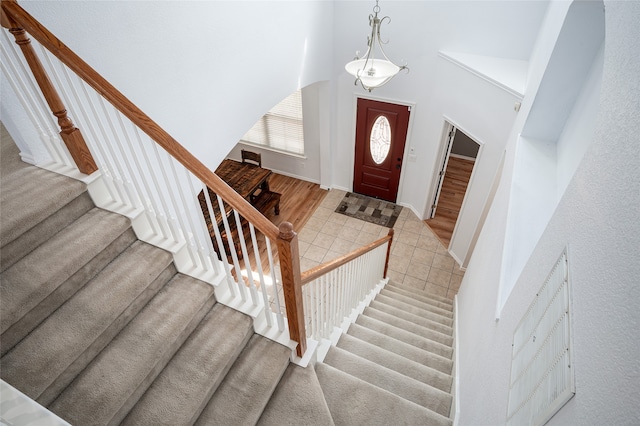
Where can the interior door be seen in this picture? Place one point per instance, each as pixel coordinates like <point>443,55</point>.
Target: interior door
<point>443,168</point>
<point>381,133</point>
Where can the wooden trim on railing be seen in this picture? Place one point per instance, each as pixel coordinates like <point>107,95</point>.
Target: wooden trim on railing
<point>5,22</point>
<point>139,118</point>
<point>386,261</point>
<point>327,267</point>
<point>292,288</point>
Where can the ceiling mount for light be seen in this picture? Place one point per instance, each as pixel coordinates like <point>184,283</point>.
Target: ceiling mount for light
<point>369,71</point>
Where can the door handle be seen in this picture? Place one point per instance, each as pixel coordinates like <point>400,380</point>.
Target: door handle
<point>399,165</point>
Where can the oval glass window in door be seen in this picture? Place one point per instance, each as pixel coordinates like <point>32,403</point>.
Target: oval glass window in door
<point>380,140</point>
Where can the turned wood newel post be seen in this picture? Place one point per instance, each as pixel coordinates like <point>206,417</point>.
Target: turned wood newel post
<point>71,135</point>
<point>290,268</point>
<point>386,262</point>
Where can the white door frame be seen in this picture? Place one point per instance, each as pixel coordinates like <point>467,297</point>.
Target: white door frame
<point>447,141</point>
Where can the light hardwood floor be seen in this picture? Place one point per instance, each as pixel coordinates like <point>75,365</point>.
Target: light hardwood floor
<point>454,186</point>
<point>298,202</point>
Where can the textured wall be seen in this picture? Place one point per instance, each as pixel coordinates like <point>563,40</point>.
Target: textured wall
<point>597,220</point>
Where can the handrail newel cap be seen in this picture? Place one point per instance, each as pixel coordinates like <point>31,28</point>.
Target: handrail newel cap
<point>286,231</point>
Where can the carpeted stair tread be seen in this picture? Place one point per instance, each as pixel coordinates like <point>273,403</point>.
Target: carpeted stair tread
<point>385,378</point>
<point>409,303</point>
<point>181,391</point>
<point>432,299</point>
<point>32,238</point>
<point>108,388</point>
<point>403,324</point>
<point>433,322</point>
<point>405,336</point>
<point>247,387</point>
<point>395,362</point>
<point>24,285</point>
<point>421,296</point>
<point>297,400</point>
<point>19,192</point>
<point>54,300</point>
<point>47,360</point>
<point>353,401</point>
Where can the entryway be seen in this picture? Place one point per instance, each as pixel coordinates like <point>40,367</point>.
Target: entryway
<point>381,133</point>
<point>453,179</point>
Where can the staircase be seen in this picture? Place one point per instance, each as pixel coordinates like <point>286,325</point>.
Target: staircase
<point>454,188</point>
<point>100,328</point>
<point>394,365</point>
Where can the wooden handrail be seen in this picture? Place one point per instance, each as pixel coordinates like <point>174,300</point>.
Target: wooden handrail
<point>325,268</point>
<point>136,115</point>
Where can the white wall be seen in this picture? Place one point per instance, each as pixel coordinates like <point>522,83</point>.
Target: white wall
<point>205,71</point>
<point>578,130</point>
<point>597,219</point>
<point>486,114</point>
<point>438,88</point>
<point>557,131</point>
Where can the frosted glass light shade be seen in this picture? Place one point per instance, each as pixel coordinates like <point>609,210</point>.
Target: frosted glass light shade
<point>369,71</point>
<point>377,72</point>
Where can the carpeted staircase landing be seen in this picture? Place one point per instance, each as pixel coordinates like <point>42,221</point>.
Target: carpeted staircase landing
<point>100,328</point>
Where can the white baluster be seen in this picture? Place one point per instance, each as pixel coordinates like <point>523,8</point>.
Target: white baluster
<point>123,177</point>
<point>202,236</point>
<point>148,171</point>
<point>27,100</point>
<point>332,301</point>
<point>116,172</point>
<point>100,142</point>
<point>245,256</point>
<point>186,231</point>
<point>276,286</point>
<point>318,308</point>
<point>89,130</point>
<point>234,256</point>
<point>263,284</point>
<point>218,237</point>
<point>63,94</point>
<point>162,193</point>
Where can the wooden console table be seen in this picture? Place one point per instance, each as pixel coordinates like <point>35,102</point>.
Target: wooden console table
<point>245,179</point>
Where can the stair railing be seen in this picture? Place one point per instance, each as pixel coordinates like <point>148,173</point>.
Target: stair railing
<point>333,291</point>
<point>148,175</point>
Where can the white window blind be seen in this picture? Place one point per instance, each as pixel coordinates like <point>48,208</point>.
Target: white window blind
<point>281,128</point>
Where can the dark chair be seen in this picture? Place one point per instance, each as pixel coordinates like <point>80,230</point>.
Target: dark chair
<point>251,157</point>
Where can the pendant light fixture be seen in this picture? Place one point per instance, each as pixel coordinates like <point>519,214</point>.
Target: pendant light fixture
<point>369,71</point>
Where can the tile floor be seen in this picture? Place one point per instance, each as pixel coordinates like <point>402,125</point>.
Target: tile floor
<point>418,259</point>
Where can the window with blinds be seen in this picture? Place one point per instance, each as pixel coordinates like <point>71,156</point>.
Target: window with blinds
<point>281,128</point>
